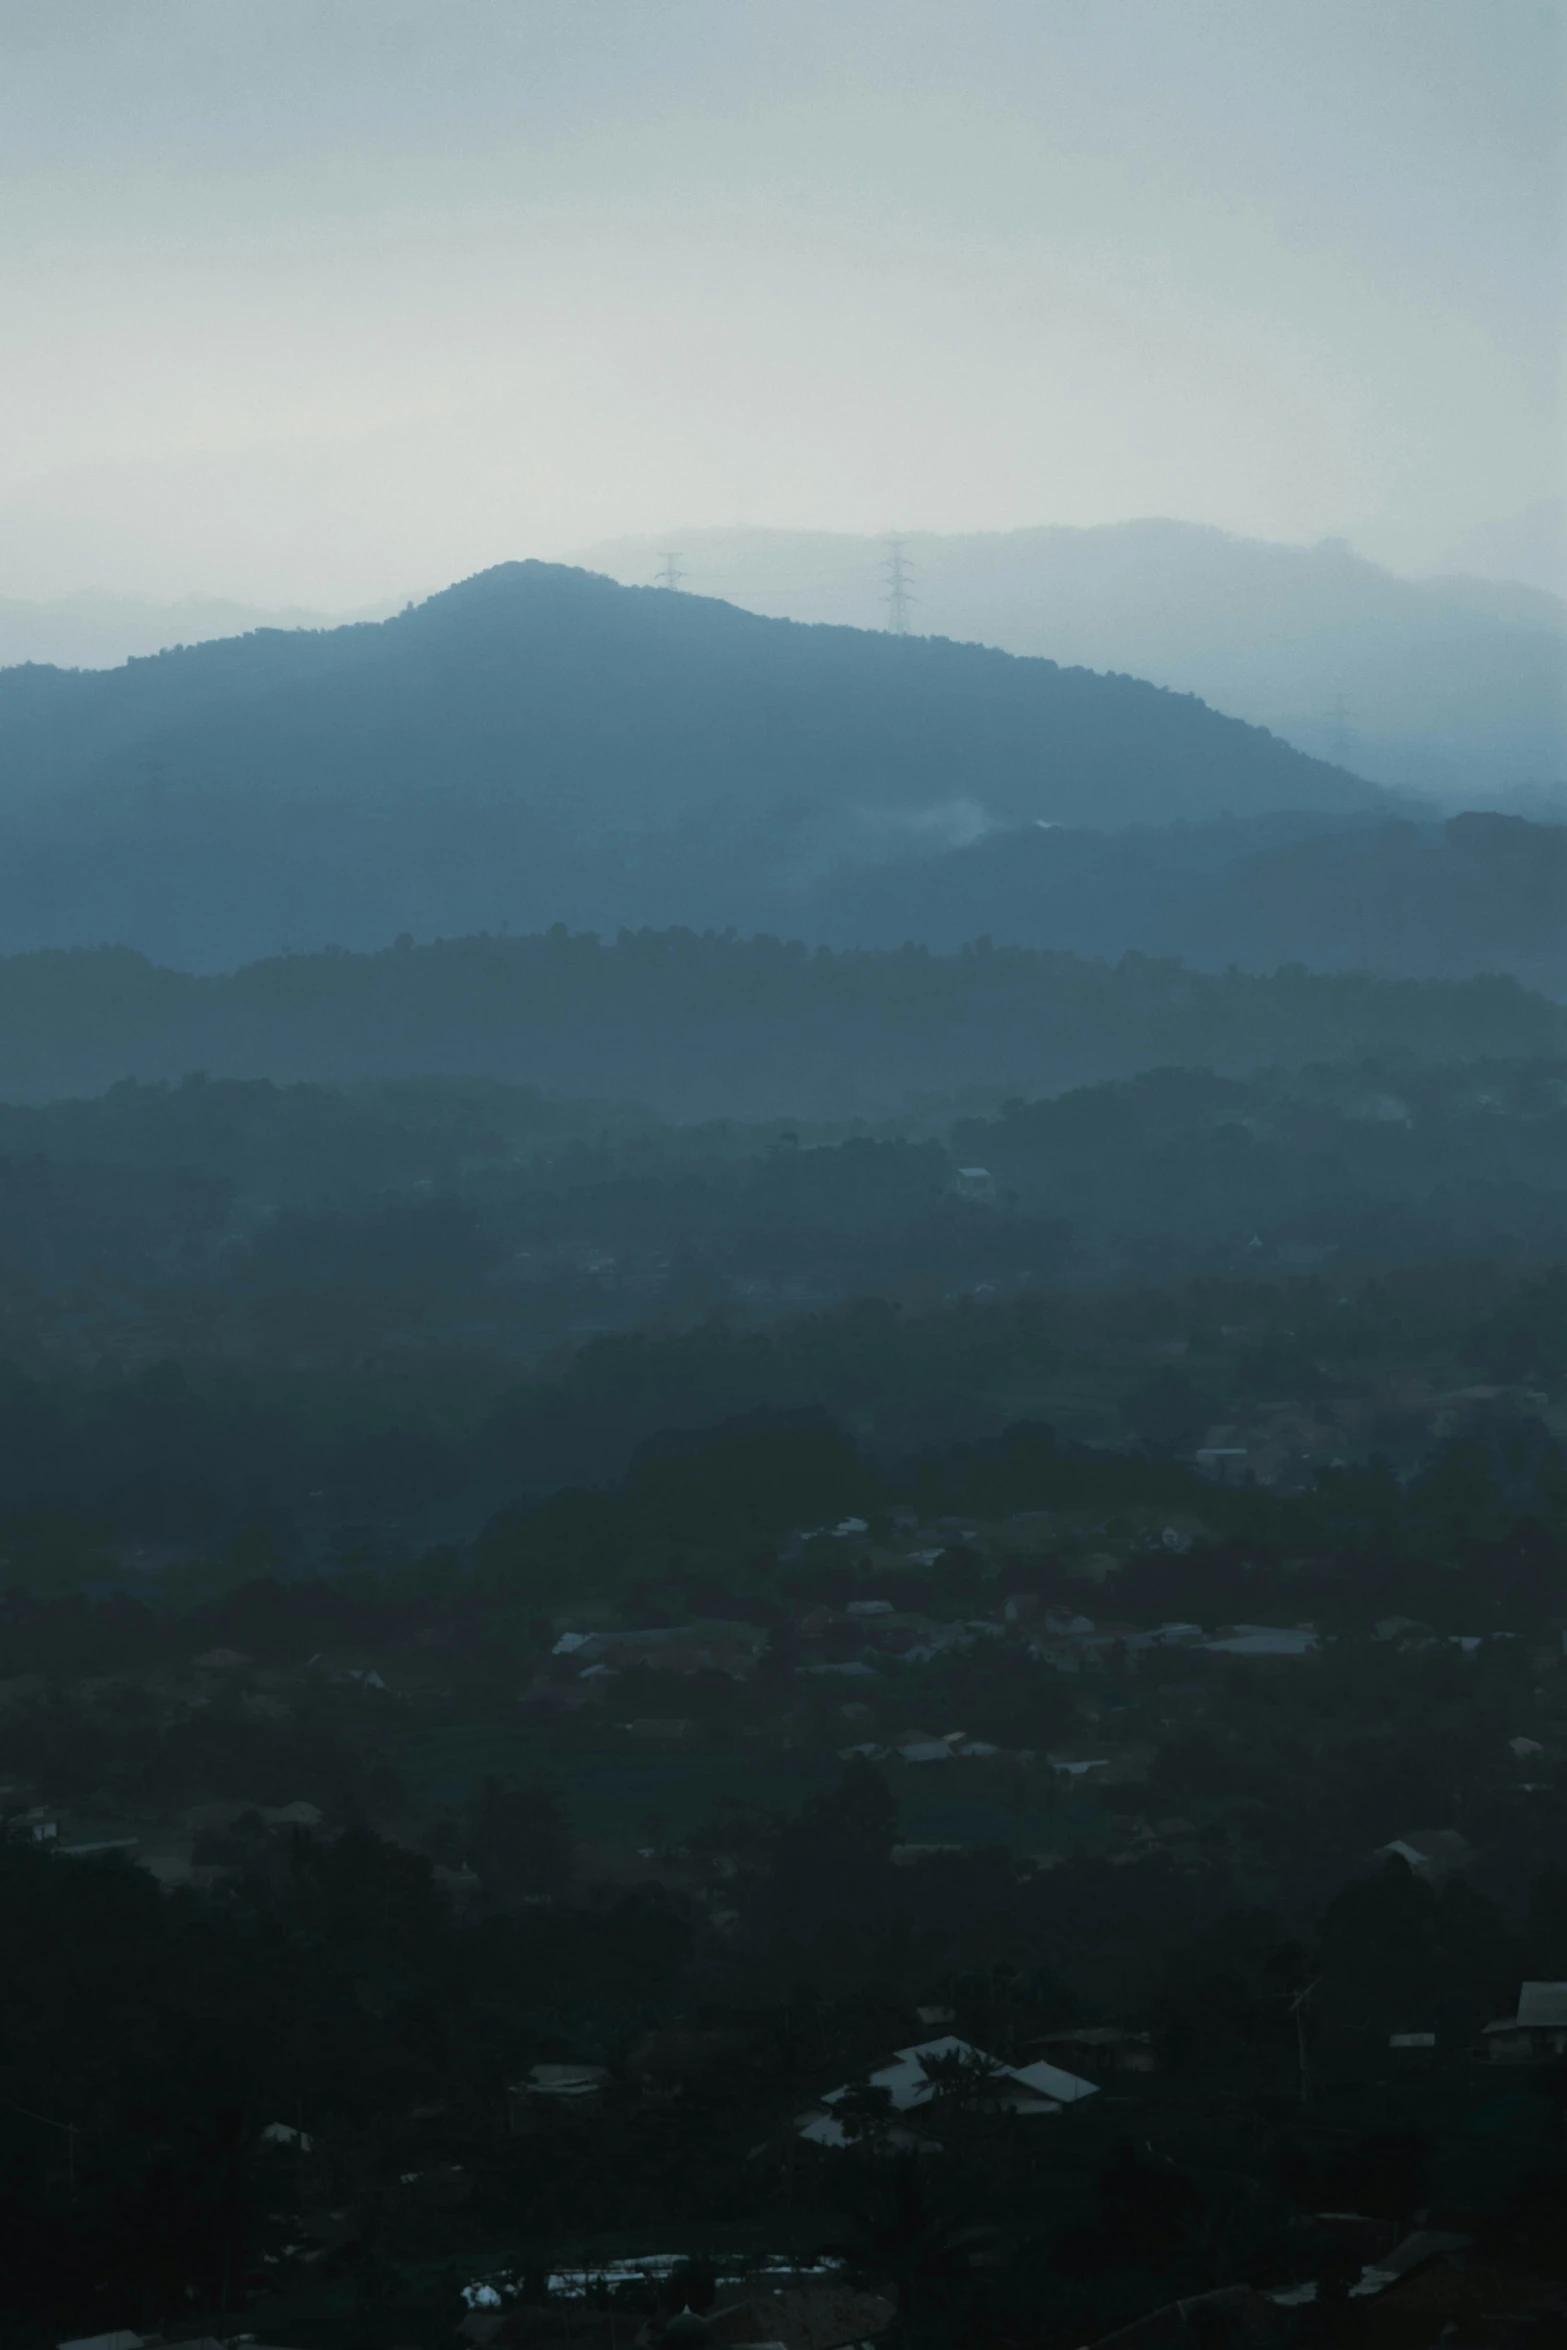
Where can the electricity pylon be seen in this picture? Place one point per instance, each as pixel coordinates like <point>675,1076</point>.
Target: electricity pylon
<point>897,570</point>
<point>671,575</point>
<point>1298,2011</point>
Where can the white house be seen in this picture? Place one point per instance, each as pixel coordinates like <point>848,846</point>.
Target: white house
<point>912,2081</point>
<point>1537,2031</point>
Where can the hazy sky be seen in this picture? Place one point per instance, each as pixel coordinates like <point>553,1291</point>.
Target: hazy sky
<point>335,299</point>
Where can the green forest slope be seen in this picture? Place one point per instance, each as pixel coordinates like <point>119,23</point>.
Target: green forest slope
<point>701,1026</point>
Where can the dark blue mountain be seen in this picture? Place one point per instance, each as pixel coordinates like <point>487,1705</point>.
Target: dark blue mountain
<point>540,743</point>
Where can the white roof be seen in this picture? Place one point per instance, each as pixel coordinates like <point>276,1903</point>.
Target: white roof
<point>1066,2088</point>
<point>1404,1851</point>
<point>1423,1846</point>
<point>1542,2003</point>
<point>1264,1640</point>
<point>285,2134</point>
<point>566,2080</point>
<point>1038,2088</point>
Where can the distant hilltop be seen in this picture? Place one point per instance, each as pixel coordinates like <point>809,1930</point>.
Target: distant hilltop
<point>1452,687</point>
<point>539,742</point>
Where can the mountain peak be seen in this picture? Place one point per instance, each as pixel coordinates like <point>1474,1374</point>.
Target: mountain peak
<point>540,740</point>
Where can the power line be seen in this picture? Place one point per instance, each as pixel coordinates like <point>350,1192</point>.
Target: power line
<point>897,570</point>
<point>671,575</point>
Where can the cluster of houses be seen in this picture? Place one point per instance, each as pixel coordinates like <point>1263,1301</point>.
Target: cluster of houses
<point>866,1640</point>
<point>900,2108</point>
<point>892,2108</point>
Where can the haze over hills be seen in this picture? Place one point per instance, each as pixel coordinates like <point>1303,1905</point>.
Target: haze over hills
<point>539,744</point>
<point>783,1400</point>
<point>95,628</point>
<point>1455,687</point>
<point>1482,892</point>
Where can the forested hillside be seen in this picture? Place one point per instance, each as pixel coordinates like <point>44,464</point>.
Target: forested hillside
<point>407,1249</point>
<point>539,745</point>
<point>538,742</point>
<point>1482,892</point>
<point>1447,685</point>
<point>708,1026</point>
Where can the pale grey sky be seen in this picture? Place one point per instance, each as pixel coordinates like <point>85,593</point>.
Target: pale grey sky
<point>333,299</point>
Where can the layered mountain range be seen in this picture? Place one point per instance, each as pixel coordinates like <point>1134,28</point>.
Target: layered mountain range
<point>1452,687</point>
<point>539,744</point>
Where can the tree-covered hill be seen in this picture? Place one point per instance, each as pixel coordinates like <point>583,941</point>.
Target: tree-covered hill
<point>422,1223</point>
<point>1482,892</point>
<point>449,768</point>
<point>533,680</point>
<point>1446,686</point>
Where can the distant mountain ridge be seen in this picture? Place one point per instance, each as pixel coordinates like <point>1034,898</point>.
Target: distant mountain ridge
<point>1456,687</point>
<point>539,742</point>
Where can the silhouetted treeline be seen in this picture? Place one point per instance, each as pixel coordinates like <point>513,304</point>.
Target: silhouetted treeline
<point>718,1026</point>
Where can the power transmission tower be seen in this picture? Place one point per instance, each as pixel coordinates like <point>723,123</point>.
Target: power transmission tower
<point>671,575</point>
<point>897,570</point>
<point>1341,734</point>
<point>1298,2010</point>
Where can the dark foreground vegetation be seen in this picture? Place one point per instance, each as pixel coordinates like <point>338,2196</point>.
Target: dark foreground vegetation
<point>725,1782</point>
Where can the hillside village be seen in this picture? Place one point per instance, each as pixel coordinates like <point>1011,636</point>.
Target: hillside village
<point>774,1824</point>
<point>1061,1803</point>
<point>783,1312</point>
